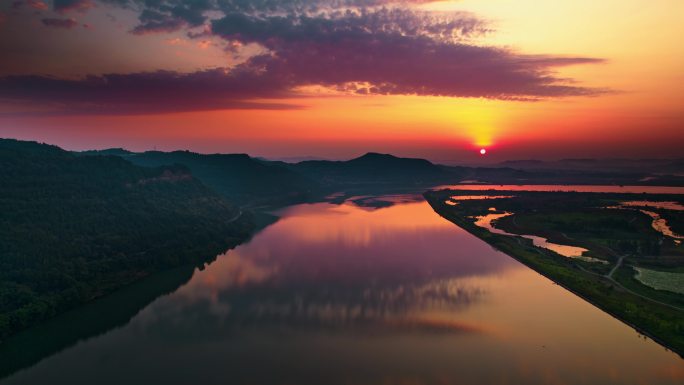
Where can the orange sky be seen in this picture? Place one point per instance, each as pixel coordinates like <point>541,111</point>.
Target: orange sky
<point>641,112</point>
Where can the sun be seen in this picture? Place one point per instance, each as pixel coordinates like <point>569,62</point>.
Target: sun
<point>483,151</point>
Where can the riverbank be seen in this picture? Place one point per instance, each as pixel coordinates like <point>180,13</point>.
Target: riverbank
<point>659,322</point>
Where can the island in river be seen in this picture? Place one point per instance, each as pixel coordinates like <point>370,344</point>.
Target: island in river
<point>622,252</point>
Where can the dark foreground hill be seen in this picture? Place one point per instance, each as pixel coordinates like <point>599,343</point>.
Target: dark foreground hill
<point>74,228</point>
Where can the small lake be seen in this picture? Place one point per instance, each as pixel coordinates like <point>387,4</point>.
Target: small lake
<point>488,222</point>
<point>343,294</point>
<point>659,224</point>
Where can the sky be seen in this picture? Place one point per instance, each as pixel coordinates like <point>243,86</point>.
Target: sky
<point>523,79</point>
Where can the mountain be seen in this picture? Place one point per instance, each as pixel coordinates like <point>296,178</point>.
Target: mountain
<point>579,171</point>
<point>238,177</point>
<point>293,159</point>
<point>77,227</point>
<point>109,151</point>
<point>656,166</point>
<point>377,169</point>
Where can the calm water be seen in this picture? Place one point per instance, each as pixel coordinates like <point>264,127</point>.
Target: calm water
<point>488,221</point>
<point>351,295</point>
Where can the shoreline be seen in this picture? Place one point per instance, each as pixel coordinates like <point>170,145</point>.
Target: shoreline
<point>511,253</point>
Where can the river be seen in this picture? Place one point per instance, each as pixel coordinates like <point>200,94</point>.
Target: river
<point>343,294</point>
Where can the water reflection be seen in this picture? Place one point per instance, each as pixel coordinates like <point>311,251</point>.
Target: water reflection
<point>344,245</point>
<point>478,197</point>
<point>657,205</point>
<point>659,223</point>
<point>349,295</point>
<point>454,200</point>
<point>329,265</point>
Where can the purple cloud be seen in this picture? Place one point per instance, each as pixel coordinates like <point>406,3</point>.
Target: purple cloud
<point>461,71</point>
<point>393,51</point>
<point>63,6</point>
<point>35,4</point>
<point>148,92</point>
<point>59,23</point>
<point>355,46</point>
<point>368,49</point>
<point>161,16</point>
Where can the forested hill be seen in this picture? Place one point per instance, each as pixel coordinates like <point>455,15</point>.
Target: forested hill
<point>375,168</point>
<point>238,177</point>
<point>258,182</point>
<point>73,228</point>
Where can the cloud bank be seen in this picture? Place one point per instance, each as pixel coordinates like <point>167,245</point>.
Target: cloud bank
<point>369,47</point>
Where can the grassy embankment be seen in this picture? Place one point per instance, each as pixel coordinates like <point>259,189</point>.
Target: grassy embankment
<point>652,312</point>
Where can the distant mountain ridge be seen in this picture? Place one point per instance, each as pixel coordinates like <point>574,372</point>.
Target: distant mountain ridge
<point>375,168</point>
<point>647,165</point>
<point>109,151</point>
<point>257,181</point>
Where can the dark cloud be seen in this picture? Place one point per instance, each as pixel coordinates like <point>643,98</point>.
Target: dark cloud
<point>365,47</point>
<point>423,67</point>
<point>393,51</point>
<point>151,92</point>
<point>152,21</point>
<point>343,26</point>
<point>171,15</point>
<point>72,5</point>
<point>59,23</point>
<point>34,4</point>
<point>446,70</point>
<point>355,46</point>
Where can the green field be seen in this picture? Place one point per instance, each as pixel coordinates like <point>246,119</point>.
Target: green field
<point>661,280</point>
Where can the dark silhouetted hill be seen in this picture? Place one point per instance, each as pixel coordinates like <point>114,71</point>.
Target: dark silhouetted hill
<point>74,228</point>
<point>239,177</point>
<point>109,151</point>
<point>656,166</point>
<point>374,169</point>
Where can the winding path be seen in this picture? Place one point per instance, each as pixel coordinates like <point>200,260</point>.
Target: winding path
<point>617,264</point>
